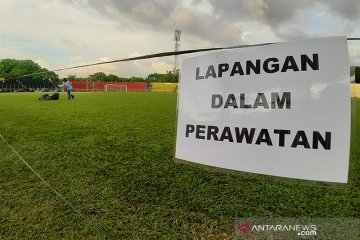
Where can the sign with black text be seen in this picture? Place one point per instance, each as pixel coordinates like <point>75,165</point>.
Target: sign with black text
<point>281,109</point>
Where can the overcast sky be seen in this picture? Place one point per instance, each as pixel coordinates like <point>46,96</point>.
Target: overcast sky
<point>61,33</point>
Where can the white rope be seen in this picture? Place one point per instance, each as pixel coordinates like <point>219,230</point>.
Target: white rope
<point>56,192</point>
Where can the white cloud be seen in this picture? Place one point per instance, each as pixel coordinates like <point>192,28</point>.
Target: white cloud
<point>179,18</point>
<point>257,8</point>
<point>41,62</point>
<point>161,66</point>
<point>147,10</point>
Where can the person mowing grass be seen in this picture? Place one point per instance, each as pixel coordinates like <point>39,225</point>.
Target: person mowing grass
<point>68,88</point>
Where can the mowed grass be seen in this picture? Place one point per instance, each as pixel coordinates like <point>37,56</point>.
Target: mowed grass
<point>112,156</point>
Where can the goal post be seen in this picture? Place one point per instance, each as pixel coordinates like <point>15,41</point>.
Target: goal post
<point>115,88</point>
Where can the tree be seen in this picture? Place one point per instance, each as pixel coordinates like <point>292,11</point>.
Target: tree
<point>50,75</point>
<point>12,68</point>
<point>71,77</point>
<point>135,79</point>
<point>167,77</point>
<point>99,76</point>
<point>357,74</point>
<point>113,78</point>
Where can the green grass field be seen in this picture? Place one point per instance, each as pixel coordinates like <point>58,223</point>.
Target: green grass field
<point>112,156</point>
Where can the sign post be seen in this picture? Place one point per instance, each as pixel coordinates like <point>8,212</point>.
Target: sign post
<point>280,109</point>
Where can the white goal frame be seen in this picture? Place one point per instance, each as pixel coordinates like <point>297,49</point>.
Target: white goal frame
<point>106,86</point>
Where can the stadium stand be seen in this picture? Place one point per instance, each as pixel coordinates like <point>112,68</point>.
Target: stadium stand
<point>24,85</point>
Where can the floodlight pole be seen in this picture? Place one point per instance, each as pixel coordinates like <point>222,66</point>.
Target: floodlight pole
<point>177,35</point>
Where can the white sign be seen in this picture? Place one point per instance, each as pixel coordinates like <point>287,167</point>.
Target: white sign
<point>280,109</point>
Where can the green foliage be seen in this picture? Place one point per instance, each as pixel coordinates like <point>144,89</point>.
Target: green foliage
<point>11,68</point>
<point>167,77</point>
<point>99,76</point>
<point>50,75</point>
<point>111,155</point>
<point>135,79</point>
<point>71,77</point>
<point>154,77</point>
<point>113,78</point>
<point>357,74</point>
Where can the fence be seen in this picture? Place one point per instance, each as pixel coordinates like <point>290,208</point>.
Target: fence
<point>83,86</point>
<point>90,86</point>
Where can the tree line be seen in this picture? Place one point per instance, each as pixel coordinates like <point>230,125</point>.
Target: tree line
<point>169,76</point>
<point>13,68</point>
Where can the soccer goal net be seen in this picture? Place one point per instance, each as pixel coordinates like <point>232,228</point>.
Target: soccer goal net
<point>115,88</point>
